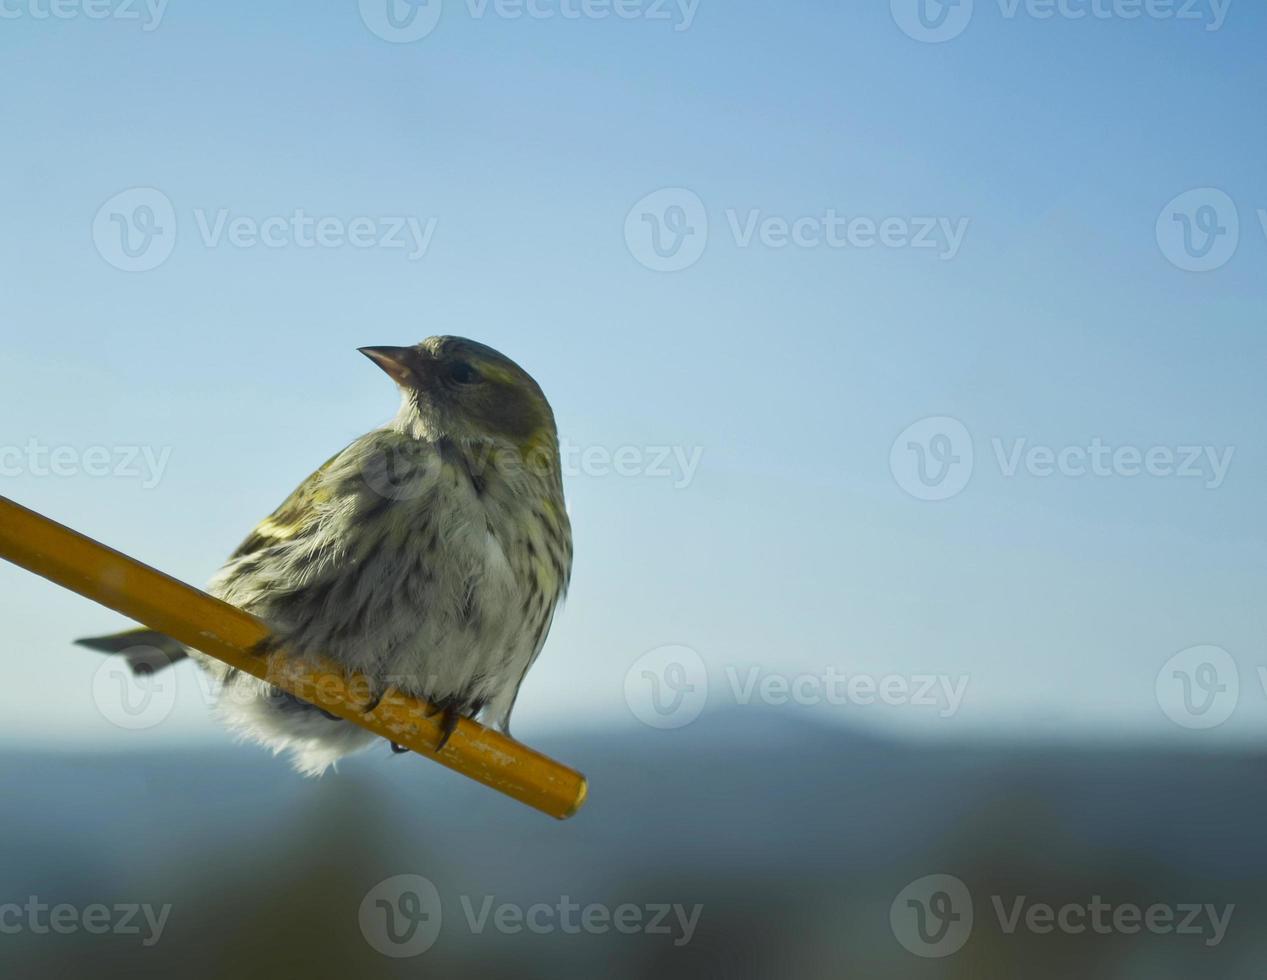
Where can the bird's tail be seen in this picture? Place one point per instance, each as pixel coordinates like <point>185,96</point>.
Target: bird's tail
<point>146,651</point>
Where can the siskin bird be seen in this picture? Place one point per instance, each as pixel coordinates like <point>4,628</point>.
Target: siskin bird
<point>429,555</point>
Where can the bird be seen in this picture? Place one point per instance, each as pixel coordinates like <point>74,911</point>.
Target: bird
<point>430,556</point>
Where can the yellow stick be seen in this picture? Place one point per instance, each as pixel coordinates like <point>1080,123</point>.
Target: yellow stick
<point>222,631</point>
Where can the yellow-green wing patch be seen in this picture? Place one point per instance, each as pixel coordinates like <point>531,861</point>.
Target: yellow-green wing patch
<point>296,514</point>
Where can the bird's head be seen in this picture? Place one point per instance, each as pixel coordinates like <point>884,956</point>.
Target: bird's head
<point>462,390</point>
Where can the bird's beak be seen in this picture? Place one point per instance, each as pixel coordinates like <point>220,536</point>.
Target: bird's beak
<point>393,360</point>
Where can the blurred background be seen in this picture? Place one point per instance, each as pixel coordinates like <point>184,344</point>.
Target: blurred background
<point>907,359</point>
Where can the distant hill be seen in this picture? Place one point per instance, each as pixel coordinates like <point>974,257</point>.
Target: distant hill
<point>794,836</point>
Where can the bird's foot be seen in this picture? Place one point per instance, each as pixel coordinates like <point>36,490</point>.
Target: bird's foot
<point>269,644</point>
<point>376,698</point>
<point>435,707</point>
<point>449,723</point>
<point>450,710</point>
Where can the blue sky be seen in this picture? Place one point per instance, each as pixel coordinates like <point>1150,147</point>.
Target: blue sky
<point>1055,145</point>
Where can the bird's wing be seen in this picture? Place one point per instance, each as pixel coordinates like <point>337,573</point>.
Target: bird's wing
<point>297,513</point>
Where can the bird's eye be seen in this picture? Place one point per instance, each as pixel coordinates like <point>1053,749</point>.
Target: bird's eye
<point>463,373</point>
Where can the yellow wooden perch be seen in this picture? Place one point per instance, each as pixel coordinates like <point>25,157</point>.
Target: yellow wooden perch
<point>222,631</point>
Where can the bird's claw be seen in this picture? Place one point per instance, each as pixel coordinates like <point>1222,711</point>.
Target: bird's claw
<point>375,700</point>
<point>265,646</point>
<point>448,724</point>
<point>450,710</point>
